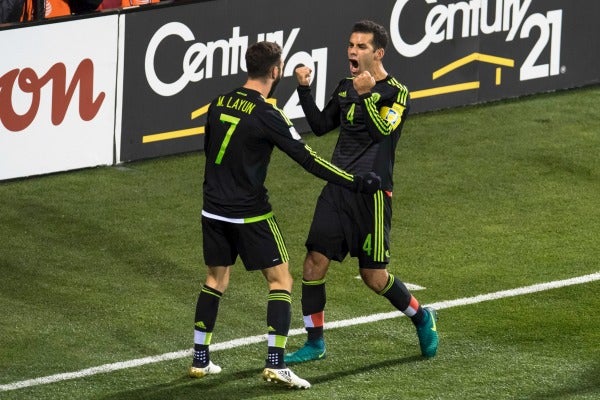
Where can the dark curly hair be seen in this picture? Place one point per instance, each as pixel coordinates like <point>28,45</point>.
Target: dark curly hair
<point>261,57</point>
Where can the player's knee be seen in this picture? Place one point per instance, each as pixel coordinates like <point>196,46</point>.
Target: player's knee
<point>279,277</point>
<point>283,283</point>
<point>375,279</point>
<point>218,278</point>
<point>315,266</point>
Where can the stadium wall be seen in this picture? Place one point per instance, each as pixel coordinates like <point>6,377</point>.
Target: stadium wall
<point>135,83</point>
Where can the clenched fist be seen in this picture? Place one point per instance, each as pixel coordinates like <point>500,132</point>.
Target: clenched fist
<point>364,82</point>
<point>302,73</point>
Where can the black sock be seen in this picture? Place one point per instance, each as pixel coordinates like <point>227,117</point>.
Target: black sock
<point>279,317</point>
<point>275,358</point>
<point>400,297</point>
<point>206,315</point>
<point>201,356</point>
<point>314,298</point>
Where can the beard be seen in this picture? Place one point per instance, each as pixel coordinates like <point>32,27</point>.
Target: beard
<point>275,83</point>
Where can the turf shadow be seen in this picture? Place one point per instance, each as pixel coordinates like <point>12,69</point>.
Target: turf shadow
<point>362,368</point>
<point>223,386</point>
<point>587,385</point>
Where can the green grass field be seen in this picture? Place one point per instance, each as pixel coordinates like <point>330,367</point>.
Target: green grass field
<point>103,265</point>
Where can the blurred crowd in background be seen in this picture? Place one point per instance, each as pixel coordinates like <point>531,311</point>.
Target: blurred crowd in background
<point>12,11</point>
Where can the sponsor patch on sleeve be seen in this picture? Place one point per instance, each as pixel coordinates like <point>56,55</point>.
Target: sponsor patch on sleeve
<point>393,115</point>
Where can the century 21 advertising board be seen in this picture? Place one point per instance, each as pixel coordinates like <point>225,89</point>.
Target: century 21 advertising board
<point>449,53</point>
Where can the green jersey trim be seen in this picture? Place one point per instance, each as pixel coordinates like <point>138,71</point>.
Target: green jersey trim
<point>328,165</point>
<point>379,231</point>
<point>285,257</point>
<point>384,127</point>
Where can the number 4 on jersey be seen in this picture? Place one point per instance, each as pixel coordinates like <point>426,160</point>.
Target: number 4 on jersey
<point>367,245</point>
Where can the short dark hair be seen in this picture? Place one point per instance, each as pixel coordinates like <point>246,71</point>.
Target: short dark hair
<point>380,35</point>
<point>261,57</point>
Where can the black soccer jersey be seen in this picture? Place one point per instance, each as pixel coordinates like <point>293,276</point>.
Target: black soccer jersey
<point>370,125</point>
<point>241,130</point>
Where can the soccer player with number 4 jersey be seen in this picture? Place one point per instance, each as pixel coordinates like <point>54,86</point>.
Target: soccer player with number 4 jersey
<point>369,108</point>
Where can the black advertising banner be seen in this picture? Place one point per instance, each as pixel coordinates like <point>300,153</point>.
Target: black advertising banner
<point>177,59</point>
<point>461,52</point>
<point>449,53</point>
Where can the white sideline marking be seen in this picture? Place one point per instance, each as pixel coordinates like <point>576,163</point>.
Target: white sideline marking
<point>294,332</point>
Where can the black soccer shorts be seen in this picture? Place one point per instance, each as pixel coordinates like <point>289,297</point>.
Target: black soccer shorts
<point>259,244</point>
<point>347,222</point>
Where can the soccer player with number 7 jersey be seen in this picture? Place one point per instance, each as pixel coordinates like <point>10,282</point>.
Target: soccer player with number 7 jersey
<point>237,219</point>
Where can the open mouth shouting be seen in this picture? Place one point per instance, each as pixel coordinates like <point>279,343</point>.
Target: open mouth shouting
<point>354,70</point>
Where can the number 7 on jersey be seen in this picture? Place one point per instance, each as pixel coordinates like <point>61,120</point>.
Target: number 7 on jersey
<point>233,121</point>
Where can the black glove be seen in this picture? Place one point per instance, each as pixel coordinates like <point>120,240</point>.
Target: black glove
<point>368,183</point>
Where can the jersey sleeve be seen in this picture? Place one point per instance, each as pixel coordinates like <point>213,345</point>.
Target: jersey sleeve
<point>383,119</point>
<point>284,136</point>
<point>320,122</point>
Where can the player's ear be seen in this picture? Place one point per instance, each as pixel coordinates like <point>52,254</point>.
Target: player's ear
<point>379,53</point>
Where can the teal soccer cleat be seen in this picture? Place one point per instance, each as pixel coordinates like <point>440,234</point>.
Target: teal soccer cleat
<point>427,333</point>
<point>312,350</point>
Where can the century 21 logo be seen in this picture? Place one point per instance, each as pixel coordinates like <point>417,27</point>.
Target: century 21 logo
<point>509,16</point>
<point>198,63</point>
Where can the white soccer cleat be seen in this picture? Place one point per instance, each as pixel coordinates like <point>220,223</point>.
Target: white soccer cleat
<point>210,369</point>
<point>285,376</point>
